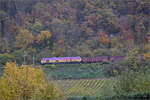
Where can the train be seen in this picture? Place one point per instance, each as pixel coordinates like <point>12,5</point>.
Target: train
<point>56,60</point>
<point>78,59</point>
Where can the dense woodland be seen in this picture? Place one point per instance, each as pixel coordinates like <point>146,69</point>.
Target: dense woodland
<point>86,28</point>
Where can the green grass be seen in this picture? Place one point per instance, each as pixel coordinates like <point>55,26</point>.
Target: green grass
<point>87,87</point>
<point>75,71</point>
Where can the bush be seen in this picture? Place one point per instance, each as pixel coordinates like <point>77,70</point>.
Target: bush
<point>136,83</point>
<point>132,60</point>
<point>26,83</point>
<point>111,70</point>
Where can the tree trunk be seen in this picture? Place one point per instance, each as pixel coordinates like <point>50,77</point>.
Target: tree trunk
<point>2,28</point>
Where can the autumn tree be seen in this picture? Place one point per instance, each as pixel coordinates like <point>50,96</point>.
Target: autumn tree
<point>103,38</point>
<point>44,38</point>
<point>26,83</point>
<point>23,39</point>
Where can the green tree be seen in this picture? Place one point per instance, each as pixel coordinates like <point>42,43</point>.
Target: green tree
<point>132,60</point>
<point>133,83</point>
<point>6,57</point>
<point>35,27</point>
<point>4,45</point>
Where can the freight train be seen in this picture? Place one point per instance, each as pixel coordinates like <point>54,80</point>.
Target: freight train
<point>71,60</point>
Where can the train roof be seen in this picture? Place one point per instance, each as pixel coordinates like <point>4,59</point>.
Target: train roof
<point>58,58</point>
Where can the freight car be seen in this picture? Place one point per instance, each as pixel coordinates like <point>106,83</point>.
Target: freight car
<point>116,58</point>
<point>94,59</point>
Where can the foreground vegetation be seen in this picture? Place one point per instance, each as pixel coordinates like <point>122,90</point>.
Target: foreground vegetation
<point>26,83</point>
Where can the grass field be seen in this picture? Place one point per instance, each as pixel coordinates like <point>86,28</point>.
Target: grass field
<point>87,87</point>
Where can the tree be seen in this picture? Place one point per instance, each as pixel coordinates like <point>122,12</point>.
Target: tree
<point>103,38</point>
<point>23,39</point>
<point>6,57</point>
<point>36,27</point>
<point>44,38</point>
<point>4,45</point>
<point>133,84</point>
<point>3,23</point>
<point>132,60</point>
<point>26,83</point>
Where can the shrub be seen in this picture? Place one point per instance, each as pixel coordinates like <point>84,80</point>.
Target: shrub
<point>132,60</point>
<point>131,82</point>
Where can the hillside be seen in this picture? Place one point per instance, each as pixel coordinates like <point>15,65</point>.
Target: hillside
<point>47,28</point>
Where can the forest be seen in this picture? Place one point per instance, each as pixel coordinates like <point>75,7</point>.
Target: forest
<point>57,28</point>
<point>34,29</point>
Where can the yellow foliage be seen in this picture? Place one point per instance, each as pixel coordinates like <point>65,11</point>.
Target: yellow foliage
<point>44,35</point>
<point>147,56</point>
<point>21,83</point>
